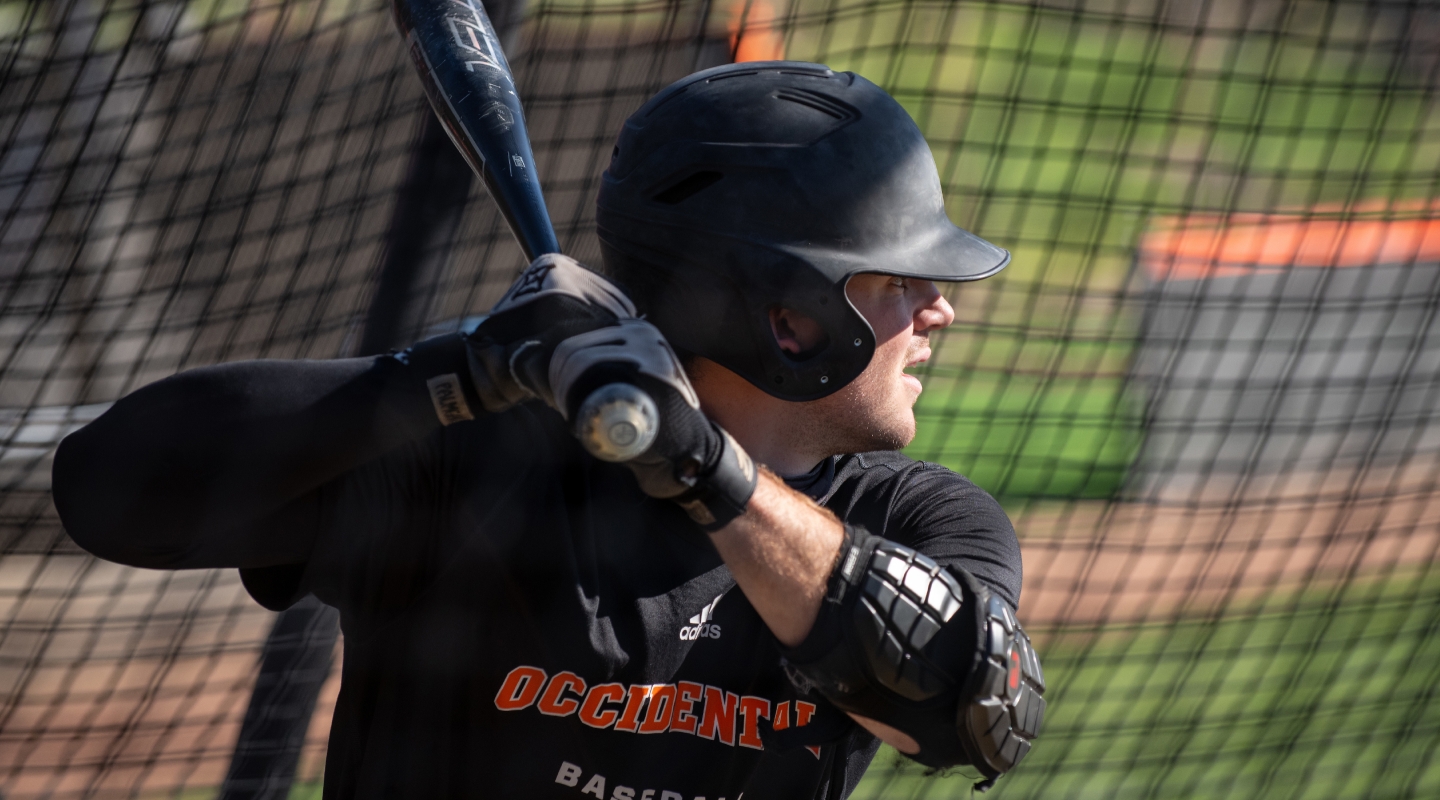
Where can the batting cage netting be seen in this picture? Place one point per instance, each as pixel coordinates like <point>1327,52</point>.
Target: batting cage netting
<point>1207,390</point>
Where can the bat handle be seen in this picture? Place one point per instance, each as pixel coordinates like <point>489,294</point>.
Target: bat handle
<point>617,422</point>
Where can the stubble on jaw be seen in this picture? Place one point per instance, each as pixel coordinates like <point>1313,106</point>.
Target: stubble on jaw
<point>870,414</point>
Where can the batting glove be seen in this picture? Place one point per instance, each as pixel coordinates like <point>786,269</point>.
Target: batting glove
<point>554,299</point>
<point>691,460</point>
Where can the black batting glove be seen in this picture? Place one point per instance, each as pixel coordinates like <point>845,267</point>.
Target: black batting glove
<point>554,299</point>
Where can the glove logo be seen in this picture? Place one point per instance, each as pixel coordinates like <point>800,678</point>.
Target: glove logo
<point>531,281</point>
<point>700,626</point>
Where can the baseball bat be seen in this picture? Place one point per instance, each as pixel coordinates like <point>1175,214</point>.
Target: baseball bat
<point>469,84</point>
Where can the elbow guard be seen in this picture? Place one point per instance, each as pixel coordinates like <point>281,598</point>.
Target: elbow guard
<point>927,650</point>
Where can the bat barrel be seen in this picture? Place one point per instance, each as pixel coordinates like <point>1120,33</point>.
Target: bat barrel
<point>470,87</point>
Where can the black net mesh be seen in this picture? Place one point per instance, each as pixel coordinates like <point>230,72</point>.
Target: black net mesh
<point>1207,389</point>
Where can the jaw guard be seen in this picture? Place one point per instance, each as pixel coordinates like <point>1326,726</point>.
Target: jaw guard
<point>927,650</point>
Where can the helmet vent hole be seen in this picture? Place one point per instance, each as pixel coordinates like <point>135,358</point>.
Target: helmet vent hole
<point>739,74</point>
<point>689,186</point>
<point>823,103</point>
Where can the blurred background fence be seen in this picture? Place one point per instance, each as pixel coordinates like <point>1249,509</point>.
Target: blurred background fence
<point>1207,389</point>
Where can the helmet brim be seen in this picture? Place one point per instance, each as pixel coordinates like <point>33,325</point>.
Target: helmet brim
<point>949,254</point>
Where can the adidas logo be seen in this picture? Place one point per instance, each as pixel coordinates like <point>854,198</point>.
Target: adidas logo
<point>700,626</point>
<point>706,613</point>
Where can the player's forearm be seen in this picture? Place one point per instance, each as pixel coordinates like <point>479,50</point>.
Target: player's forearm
<point>187,472</point>
<point>781,552</point>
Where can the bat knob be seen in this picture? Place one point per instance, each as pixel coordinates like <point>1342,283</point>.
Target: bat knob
<point>617,422</point>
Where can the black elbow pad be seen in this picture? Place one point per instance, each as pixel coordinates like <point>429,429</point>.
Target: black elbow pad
<point>928,650</point>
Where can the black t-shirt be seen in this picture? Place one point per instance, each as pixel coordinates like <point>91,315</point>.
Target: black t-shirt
<point>521,621</point>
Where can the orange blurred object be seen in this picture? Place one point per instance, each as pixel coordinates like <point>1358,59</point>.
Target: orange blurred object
<point>754,32</point>
<point>1195,248</point>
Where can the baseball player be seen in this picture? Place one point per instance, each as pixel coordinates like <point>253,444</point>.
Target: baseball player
<point>748,607</point>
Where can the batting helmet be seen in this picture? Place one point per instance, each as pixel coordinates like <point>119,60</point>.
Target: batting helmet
<point>757,185</point>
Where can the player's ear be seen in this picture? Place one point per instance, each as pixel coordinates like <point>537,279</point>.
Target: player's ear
<point>799,335</point>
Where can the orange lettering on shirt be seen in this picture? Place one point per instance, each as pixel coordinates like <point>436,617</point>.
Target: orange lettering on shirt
<point>803,712</point>
<point>718,717</point>
<point>753,709</point>
<point>519,688</point>
<point>683,720</point>
<point>591,712</point>
<point>782,716</point>
<point>630,718</point>
<point>662,705</point>
<point>552,701</point>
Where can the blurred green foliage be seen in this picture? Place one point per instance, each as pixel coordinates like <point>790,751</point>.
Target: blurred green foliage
<point>1061,135</point>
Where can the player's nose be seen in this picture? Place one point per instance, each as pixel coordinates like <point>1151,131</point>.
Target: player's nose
<point>932,310</point>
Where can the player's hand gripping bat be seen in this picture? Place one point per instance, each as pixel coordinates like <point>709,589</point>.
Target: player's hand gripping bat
<point>470,87</point>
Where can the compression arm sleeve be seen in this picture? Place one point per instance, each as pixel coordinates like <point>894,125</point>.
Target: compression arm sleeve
<point>218,466</point>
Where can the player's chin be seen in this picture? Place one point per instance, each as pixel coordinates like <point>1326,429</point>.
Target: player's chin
<point>908,427</point>
<point>898,429</point>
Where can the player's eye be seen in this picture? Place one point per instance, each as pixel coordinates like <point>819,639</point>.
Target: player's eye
<point>897,282</point>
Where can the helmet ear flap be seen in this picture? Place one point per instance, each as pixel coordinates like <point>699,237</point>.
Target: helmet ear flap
<point>799,335</point>
<point>704,312</point>
<point>844,350</point>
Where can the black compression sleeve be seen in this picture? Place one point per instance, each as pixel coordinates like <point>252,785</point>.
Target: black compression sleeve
<point>217,467</point>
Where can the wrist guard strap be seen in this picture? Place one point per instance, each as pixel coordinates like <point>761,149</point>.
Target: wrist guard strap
<point>718,498</point>
<point>928,650</point>
<point>442,363</point>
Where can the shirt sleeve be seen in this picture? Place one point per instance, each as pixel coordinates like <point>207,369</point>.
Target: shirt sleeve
<point>236,465</point>
<point>386,530</point>
<point>955,522</point>
<point>345,521</point>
